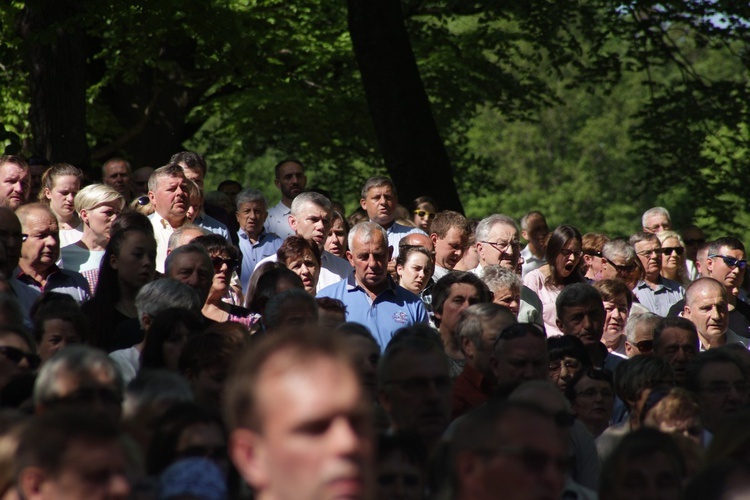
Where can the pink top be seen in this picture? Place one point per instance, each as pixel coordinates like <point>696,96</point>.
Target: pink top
<point>547,294</point>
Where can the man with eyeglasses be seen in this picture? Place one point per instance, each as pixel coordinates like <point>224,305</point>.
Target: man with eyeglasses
<point>707,307</point>
<point>535,231</point>
<point>726,263</point>
<point>639,334</point>
<point>655,293</point>
<point>718,379</point>
<point>656,220</point>
<point>497,244</point>
<point>619,261</point>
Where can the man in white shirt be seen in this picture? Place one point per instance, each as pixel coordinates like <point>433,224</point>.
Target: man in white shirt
<point>168,192</point>
<point>291,181</point>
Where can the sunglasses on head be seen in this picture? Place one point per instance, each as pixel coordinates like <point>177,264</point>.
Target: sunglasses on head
<point>669,250</point>
<point>424,214</point>
<point>17,355</point>
<point>730,261</point>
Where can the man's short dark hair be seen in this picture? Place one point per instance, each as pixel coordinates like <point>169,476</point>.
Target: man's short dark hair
<point>374,182</point>
<point>277,167</point>
<point>227,183</point>
<point>47,437</point>
<point>446,220</point>
<point>705,358</point>
<point>416,339</point>
<point>639,373</point>
<point>576,294</point>
<point>442,288</point>
<point>714,248</point>
<point>191,159</point>
<point>674,322</point>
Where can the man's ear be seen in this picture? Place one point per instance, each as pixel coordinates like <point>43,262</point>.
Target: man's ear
<point>709,266</point>
<point>30,482</point>
<point>686,312</point>
<point>363,204</point>
<point>525,235</point>
<point>146,321</point>
<point>350,257</point>
<point>292,222</point>
<point>629,349</point>
<point>434,238</point>
<point>559,324</point>
<point>248,454</point>
<point>469,468</point>
<point>467,347</point>
<point>151,197</point>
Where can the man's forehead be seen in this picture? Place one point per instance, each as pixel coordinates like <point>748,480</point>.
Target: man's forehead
<point>721,371</point>
<point>170,180</point>
<point>676,334</point>
<point>412,363</point>
<point>592,306</point>
<point>7,169</point>
<point>380,191</point>
<point>646,245</point>
<point>463,289</point>
<point>369,241</point>
<point>501,229</point>
<point>190,259</point>
<point>290,168</point>
<point>313,210</point>
<point>732,252</point>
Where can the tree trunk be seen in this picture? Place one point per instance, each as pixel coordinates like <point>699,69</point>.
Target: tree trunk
<point>411,145</point>
<point>56,51</point>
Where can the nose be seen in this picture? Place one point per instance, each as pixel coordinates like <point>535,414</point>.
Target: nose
<point>18,187</point>
<point>345,436</point>
<point>119,487</point>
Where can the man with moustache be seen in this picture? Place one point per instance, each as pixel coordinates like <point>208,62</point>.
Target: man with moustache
<point>498,244</point>
<point>655,293</point>
<point>299,423</point>
<point>14,181</point>
<point>291,180</point>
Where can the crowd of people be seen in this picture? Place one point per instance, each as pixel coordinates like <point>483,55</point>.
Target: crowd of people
<point>159,341</point>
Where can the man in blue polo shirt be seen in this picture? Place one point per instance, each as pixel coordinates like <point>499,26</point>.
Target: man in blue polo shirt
<point>370,296</point>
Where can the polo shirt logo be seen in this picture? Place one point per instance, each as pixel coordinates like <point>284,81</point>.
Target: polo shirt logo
<point>400,318</point>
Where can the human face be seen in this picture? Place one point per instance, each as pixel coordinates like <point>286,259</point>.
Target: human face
<point>366,355</point>
<point>568,258</point>
<point>508,297</point>
<point>423,216</point>
<point>537,235</point>
<point>693,238</point>
<point>172,347</point>
<point>460,296</point>
<point>585,322</point>
<point>193,174</point>
<point>416,272</point>
<point>91,469</point>
<point>251,216</point>
<point>657,223</point>
<point>594,403</point>
<point>57,334</point>
<point>709,313</point>
<point>616,316</point>
<point>380,205</point>
<point>722,390</point>
<point>194,270</point>
<point>369,257</point>
<point>194,207</point>
<point>100,218</point>
<point>308,269</point>
<point>314,440</point>
<point>208,385</point>
<point>42,247</point>
<point>14,185</point>
<point>594,264</point>
<point>312,223</point>
<point>482,355</point>
<point>223,266</point>
<point>673,261</point>
<point>620,267</point>
<point>336,241</point>
<point>171,198</point>
<point>677,347</point>
<point>644,333</point>
<point>11,234</point>
<point>732,276</point>
<point>11,367</point>
<point>399,477</point>
<point>449,250</point>
<point>501,247</point>
<point>231,191</point>
<point>503,467</point>
<point>62,194</point>
<point>650,254</point>
<point>654,476</point>
<point>291,180</point>
<point>691,428</point>
<point>136,262</point>
<point>519,360</point>
<point>117,175</point>
<point>563,371</point>
<point>204,439</point>
<point>417,393</point>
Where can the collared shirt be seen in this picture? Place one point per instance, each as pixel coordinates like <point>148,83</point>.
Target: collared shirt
<point>530,261</point>
<point>60,281</point>
<point>732,338</point>
<point>252,253</point>
<point>470,389</point>
<point>394,308</point>
<point>277,221</point>
<point>26,296</point>
<point>530,309</point>
<point>162,231</point>
<point>213,225</point>
<point>396,232</point>
<point>440,272</point>
<point>659,300</point>
<point>332,270</point>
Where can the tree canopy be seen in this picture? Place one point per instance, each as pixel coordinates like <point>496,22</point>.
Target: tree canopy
<point>589,111</point>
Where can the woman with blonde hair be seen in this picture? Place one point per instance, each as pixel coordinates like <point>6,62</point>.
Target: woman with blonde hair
<point>673,257</point>
<point>60,184</point>
<point>98,205</point>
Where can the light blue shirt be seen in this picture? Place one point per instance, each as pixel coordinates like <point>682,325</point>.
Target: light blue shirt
<point>394,308</point>
<point>215,226</point>
<point>659,300</point>
<point>396,232</point>
<point>252,253</point>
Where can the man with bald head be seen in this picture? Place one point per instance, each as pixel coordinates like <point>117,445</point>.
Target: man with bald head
<point>416,240</point>
<point>497,244</point>
<point>707,307</point>
<point>39,252</point>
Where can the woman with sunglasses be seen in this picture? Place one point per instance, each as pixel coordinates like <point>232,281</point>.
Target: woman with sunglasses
<point>222,303</point>
<point>564,263</point>
<point>423,211</point>
<point>673,257</point>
